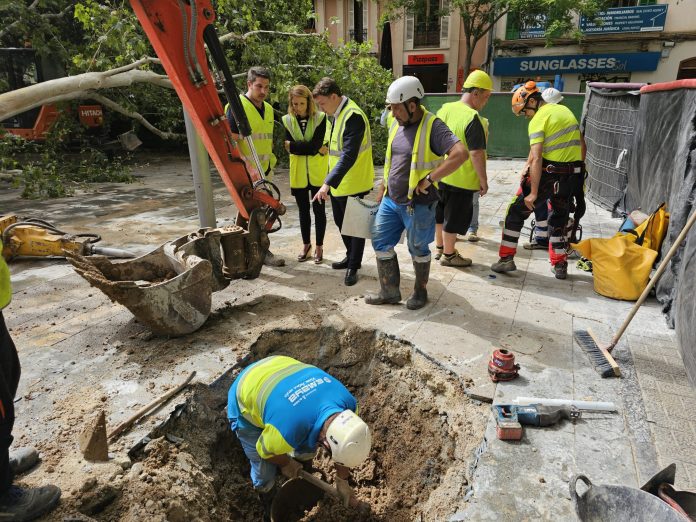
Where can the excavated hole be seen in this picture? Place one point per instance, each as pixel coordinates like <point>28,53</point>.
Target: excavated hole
<point>425,430</point>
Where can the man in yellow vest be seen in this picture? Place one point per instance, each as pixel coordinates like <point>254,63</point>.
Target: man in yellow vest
<point>457,191</point>
<point>16,504</point>
<point>282,410</point>
<point>554,171</point>
<point>418,141</point>
<point>351,172</point>
<point>261,119</point>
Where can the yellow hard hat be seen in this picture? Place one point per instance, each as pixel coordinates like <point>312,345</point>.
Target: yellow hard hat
<point>480,80</point>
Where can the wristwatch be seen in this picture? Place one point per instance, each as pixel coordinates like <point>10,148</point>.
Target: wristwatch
<point>430,179</point>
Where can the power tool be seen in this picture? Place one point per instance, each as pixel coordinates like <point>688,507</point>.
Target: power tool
<point>511,417</point>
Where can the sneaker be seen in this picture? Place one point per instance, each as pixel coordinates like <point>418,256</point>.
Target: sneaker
<point>473,236</point>
<point>584,264</point>
<point>24,504</point>
<point>504,264</point>
<point>560,269</point>
<point>533,245</point>
<point>455,260</point>
<point>438,254</point>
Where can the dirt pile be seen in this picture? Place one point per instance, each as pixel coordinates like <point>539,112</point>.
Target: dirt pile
<point>424,427</point>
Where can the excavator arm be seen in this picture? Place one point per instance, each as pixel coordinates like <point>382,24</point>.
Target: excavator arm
<point>178,30</point>
<point>170,288</point>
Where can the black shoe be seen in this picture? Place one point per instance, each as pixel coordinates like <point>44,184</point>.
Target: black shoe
<point>340,265</point>
<point>24,504</point>
<point>560,269</point>
<point>351,276</point>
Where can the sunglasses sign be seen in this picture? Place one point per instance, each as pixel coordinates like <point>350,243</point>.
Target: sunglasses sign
<point>576,63</point>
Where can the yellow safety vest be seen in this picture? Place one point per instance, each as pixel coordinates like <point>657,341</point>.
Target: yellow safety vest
<point>361,175</point>
<point>261,133</point>
<point>423,159</point>
<point>5,287</point>
<point>305,170</point>
<point>557,128</point>
<point>458,115</point>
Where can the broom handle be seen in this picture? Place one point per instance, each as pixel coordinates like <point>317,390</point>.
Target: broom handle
<point>653,281</point>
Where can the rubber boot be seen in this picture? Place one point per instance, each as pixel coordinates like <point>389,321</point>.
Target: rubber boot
<point>420,293</point>
<point>389,278</point>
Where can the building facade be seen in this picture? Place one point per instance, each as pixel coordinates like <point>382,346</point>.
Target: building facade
<point>639,41</point>
<point>423,44</point>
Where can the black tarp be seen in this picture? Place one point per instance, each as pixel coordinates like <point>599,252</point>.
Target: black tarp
<point>663,168</point>
<point>660,166</point>
<point>385,50</point>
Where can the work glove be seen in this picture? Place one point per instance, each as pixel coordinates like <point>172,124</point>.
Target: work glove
<point>291,469</point>
<point>345,492</point>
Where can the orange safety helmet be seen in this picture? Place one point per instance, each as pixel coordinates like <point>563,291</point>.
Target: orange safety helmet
<point>521,97</point>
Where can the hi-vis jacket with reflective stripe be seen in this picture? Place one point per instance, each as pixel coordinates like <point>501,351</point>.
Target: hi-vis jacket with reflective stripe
<point>5,287</point>
<point>423,159</point>
<point>288,400</point>
<point>458,115</point>
<point>261,133</point>
<point>361,175</point>
<point>306,170</point>
<point>557,128</point>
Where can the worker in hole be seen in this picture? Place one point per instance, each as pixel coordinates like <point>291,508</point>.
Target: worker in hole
<point>283,410</point>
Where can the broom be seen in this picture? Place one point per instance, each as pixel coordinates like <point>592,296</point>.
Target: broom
<point>598,353</point>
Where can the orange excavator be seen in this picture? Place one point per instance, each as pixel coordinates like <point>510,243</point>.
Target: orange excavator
<point>169,289</point>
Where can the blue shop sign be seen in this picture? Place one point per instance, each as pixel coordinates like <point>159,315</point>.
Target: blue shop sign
<point>627,20</point>
<point>576,63</point>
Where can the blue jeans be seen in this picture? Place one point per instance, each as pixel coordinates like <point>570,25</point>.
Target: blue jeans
<point>262,472</point>
<point>392,219</point>
<point>473,227</point>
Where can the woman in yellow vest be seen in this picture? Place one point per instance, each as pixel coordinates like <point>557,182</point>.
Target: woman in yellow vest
<point>305,140</point>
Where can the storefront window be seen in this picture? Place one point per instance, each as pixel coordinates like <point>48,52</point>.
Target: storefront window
<point>603,77</point>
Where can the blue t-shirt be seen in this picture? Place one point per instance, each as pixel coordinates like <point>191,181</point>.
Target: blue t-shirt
<point>294,411</point>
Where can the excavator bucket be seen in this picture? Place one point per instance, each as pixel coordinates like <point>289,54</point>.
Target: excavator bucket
<point>170,289</point>
<point>169,293</point>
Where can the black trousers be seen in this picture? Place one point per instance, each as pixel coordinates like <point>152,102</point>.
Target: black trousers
<point>303,198</point>
<point>9,379</point>
<point>355,246</point>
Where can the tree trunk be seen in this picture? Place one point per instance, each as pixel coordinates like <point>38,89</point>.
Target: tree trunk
<point>71,87</point>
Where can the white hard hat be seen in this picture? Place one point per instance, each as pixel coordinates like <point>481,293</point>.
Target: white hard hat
<point>551,95</point>
<point>404,89</point>
<point>349,439</point>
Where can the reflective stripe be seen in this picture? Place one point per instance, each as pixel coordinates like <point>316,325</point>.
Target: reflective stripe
<point>541,233</point>
<point>536,135</point>
<point>240,384</point>
<point>558,134</point>
<point>542,224</point>
<point>263,445</point>
<point>511,233</point>
<point>261,136</point>
<point>510,244</point>
<point>567,144</point>
<point>272,381</point>
<point>363,148</point>
<point>426,165</point>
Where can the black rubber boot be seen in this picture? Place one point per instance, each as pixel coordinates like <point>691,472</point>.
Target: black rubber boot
<point>389,278</point>
<point>420,293</point>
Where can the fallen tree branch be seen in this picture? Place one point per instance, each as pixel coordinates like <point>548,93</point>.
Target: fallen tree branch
<point>71,87</point>
<point>242,37</point>
<point>107,102</point>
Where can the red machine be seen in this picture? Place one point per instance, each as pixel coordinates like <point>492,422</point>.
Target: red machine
<point>178,31</point>
<point>169,289</point>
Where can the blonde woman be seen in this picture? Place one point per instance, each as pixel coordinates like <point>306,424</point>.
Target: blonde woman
<point>305,140</point>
